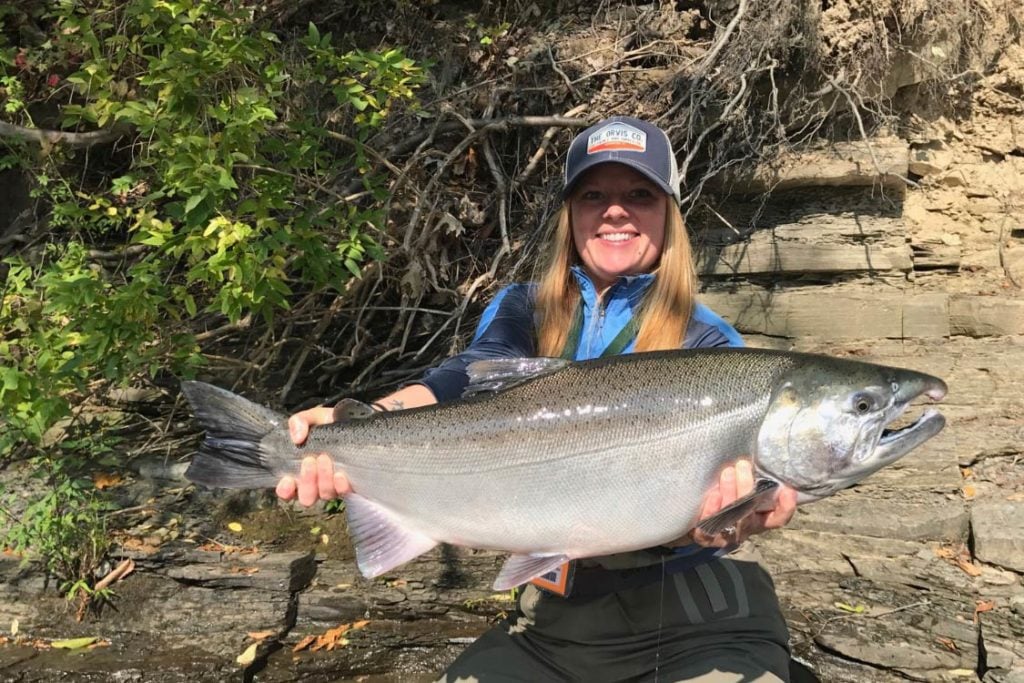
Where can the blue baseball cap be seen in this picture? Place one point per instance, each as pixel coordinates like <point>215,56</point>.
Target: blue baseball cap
<point>623,140</point>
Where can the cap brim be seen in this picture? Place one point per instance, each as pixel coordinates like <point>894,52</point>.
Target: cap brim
<point>588,164</point>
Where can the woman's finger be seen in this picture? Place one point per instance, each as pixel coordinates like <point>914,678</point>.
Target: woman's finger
<point>325,477</point>
<point>727,486</point>
<point>785,507</point>
<point>308,489</point>
<point>341,484</point>
<point>286,488</point>
<point>744,478</point>
<point>299,423</point>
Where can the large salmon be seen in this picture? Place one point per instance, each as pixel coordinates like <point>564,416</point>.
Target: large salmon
<point>554,460</point>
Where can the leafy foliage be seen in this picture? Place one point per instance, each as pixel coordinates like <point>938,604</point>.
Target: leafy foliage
<point>226,200</point>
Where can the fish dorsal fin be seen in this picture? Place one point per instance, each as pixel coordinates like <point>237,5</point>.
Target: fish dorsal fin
<point>499,374</point>
<point>381,542</point>
<point>349,409</point>
<point>519,569</point>
<point>764,490</point>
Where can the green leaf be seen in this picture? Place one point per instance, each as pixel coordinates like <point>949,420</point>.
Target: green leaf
<point>193,202</point>
<point>225,181</point>
<point>353,267</point>
<point>74,643</point>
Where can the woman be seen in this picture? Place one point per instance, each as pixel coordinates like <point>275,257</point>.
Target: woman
<point>620,279</point>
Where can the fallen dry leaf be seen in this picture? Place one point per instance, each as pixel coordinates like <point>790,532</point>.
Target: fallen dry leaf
<point>235,526</point>
<point>260,635</point>
<point>959,556</point>
<point>304,643</point>
<point>330,638</point>
<point>969,491</point>
<point>74,643</point>
<point>983,606</point>
<point>105,480</point>
<point>853,609</point>
<point>244,571</point>
<point>947,643</point>
<point>138,545</point>
<point>214,546</point>
<point>968,566</point>
<point>249,656</point>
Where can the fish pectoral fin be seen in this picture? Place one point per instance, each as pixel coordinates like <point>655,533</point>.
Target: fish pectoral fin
<point>518,569</point>
<point>499,374</point>
<point>764,490</point>
<point>348,409</point>
<point>381,542</point>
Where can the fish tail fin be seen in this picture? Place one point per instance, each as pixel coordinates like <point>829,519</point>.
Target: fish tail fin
<point>235,453</point>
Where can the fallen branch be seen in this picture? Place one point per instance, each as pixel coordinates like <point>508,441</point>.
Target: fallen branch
<point>52,137</point>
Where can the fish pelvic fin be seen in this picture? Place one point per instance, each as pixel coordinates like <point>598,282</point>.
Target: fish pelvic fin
<point>233,454</point>
<point>518,569</point>
<point>381,542</point>
<point>764,490</point>
<point>499,374</point>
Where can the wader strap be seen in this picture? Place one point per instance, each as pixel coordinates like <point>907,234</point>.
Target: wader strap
<point>572,342</point>
<point>618,345</point>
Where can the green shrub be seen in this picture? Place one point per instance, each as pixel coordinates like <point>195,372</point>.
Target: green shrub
<point>223,198</point>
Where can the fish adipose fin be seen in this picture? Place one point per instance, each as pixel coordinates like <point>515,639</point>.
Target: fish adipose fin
<point>499,374</point>
<point>764,490</point>
<point>349,409</point>
<point>519,569</point>
<point>231,455</point>
<point>381,542</point>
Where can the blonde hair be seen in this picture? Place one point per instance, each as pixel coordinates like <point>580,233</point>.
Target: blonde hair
<point>668,303</point>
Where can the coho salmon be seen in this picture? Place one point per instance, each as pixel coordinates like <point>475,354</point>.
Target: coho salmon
<point>553,460</point>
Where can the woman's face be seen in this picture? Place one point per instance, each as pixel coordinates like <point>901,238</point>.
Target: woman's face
<point>618,222</point>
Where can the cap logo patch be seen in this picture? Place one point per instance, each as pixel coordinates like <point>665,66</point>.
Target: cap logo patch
<point>617,137</point>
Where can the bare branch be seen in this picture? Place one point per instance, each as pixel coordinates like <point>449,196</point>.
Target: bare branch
<point>53,137</point>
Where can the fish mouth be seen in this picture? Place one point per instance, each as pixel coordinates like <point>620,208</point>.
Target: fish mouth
<point>897,442</point>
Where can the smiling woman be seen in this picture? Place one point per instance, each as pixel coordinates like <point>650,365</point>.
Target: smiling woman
<point>620,278</point>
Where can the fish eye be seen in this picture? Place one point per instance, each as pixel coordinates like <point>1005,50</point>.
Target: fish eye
<point>863,403</point>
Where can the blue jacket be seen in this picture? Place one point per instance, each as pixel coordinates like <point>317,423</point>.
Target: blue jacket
<point>508,325</point>
<point>507,330</point>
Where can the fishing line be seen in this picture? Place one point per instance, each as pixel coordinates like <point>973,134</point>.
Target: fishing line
<point>661,614</point>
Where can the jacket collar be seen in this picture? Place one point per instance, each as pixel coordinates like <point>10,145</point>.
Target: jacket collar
<point>632,287</point>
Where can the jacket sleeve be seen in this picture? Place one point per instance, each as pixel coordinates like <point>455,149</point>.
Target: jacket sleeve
<point>506,330</point>
<point>707,328</point>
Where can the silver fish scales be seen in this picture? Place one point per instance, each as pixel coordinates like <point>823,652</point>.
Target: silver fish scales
<point>554,460</point>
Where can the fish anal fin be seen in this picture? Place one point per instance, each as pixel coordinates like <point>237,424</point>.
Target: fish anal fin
<point>518,569</point>
<point>381,542</point>
<point>764,491</point>
<point>499,374</point>
<point>348,409</point>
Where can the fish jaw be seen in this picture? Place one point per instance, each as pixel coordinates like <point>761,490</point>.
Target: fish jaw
<point>826,427</point>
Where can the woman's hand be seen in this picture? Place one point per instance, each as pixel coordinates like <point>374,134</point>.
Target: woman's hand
<point>317,479</point>
<point>735,482</point>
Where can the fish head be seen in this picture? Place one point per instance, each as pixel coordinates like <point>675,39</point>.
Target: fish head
<point>827,424</point>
